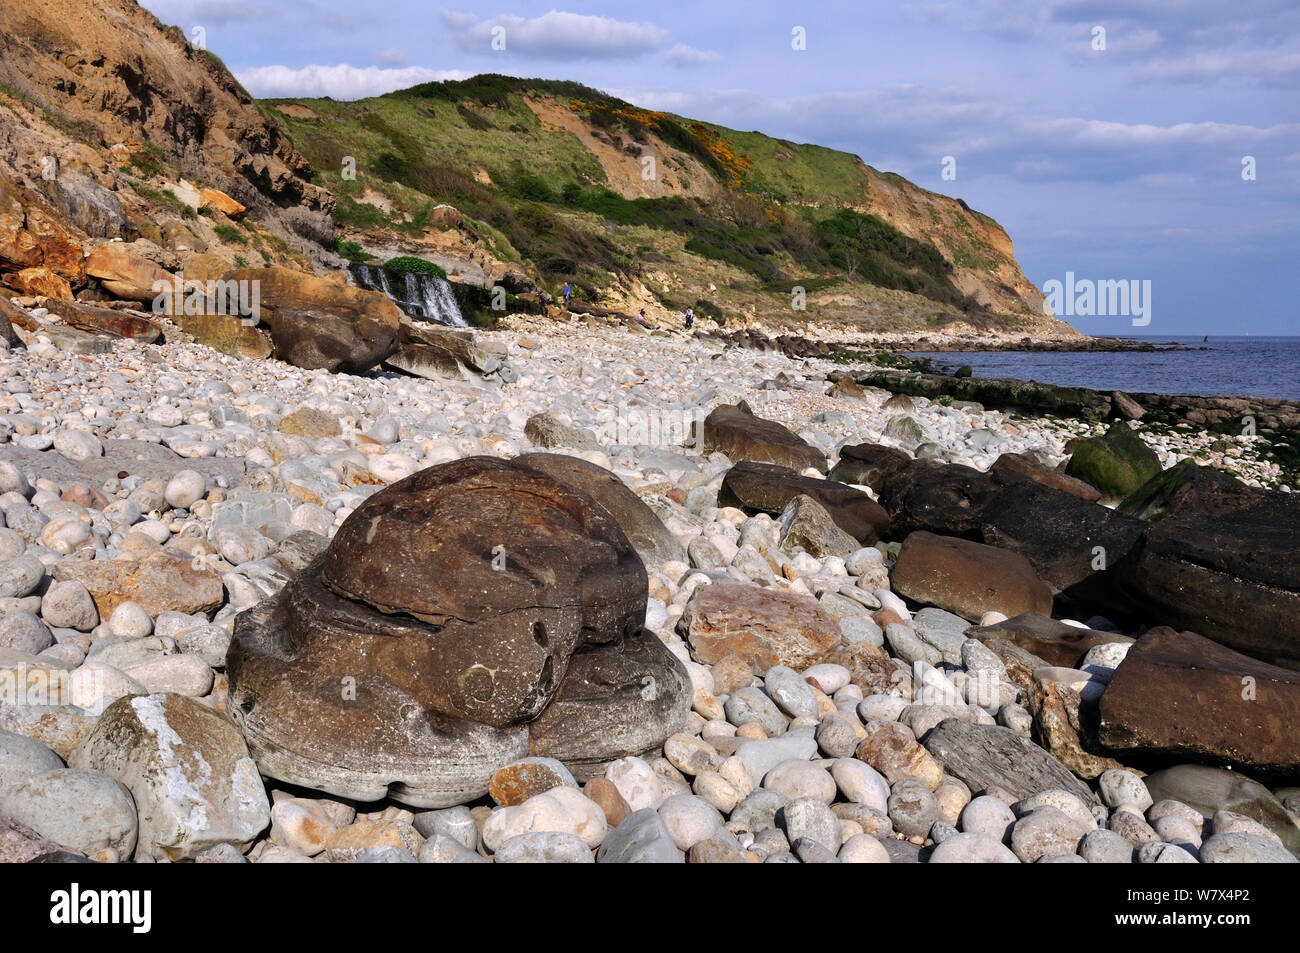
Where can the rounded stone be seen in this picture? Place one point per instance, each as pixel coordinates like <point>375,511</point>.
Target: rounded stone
<point>544,847</point>
<point>1118,786</point>
<point>797,779</point>
<point>77,445</point>
<point>22,757</point>
<point>1105,847</point>
<point>913,809</point>
<point>1157,852</point>
<point>989,816</point>
<point>239,545</point>
<point>69,605</point>
<point>22,631</point>
<point>131,620</point>
<point>1244,849</point>
<point>1045,832</point>
<point>82,810</point>
<point>809,818</point>
<point>184,489</point>
<point>861,784</point>
<point>794,696</point>
<point>969,848</point>
<point>689,819</point>
<point>863,849</point>
<point>20,576</point>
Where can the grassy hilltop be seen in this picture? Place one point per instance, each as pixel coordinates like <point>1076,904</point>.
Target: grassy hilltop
<point>556,181</point>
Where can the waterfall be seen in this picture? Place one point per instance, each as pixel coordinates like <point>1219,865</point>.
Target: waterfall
<point>425,297</point>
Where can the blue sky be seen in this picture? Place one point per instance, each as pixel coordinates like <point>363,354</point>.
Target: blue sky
<point>1115,163</point>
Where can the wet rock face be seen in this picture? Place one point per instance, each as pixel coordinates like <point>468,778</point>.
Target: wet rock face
<point>444,616</point>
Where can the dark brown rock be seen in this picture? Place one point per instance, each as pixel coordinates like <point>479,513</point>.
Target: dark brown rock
<point>1184,695</point>
<point>654,543</point>
<point>1012,466</point>
<point>765,488</point>
<point>1046,638</point>
<point>327,340</point>
<point>968,578</point>
<point>733,429</point>
<point>443,617</point>
<point>944,498</point>
<point>1232,575</point>
<point>869,464</point>
<point>1066,539</point>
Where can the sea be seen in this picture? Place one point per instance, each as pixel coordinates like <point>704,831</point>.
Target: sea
<point>1221,366</point>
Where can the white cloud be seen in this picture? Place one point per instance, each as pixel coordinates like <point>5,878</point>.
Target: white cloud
<point>683,55</point>
<point>391,57</point>
<point>337,82</point>
<point>558,35</point>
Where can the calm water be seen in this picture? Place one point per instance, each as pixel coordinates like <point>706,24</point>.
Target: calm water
<point>1243,366</point>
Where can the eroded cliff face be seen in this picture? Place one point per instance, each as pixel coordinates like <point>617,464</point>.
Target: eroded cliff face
<point>110,126</point>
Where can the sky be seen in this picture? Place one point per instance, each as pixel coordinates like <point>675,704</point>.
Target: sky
<point>1150,141</point>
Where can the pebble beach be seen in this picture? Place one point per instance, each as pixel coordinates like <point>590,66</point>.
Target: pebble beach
<point>153,493</point>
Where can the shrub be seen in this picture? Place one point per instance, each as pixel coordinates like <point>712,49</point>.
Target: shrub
<point>417,265</point>
<point>353,251</point>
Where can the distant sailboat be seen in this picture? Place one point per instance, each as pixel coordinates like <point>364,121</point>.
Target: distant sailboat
<point>1206,339</point>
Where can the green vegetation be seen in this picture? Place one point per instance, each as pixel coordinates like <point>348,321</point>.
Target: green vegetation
<point>765,214</point>
<point>230,234</point>
<point>166,199</point>
<point>149,161</point>
<point>353,251</point>
<point>417,265</point>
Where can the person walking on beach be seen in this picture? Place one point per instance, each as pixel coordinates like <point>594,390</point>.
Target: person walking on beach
<point>567,293</point>
<point>690,318</point>
<point>645,322</point>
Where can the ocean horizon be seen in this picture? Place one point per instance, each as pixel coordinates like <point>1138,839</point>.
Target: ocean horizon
<point>1228,366</point>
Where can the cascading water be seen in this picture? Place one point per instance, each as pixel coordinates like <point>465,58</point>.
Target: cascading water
<point>425,297</point>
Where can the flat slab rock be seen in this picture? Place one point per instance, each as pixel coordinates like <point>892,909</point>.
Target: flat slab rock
<point>1050,639</point>
<point>988,755</point>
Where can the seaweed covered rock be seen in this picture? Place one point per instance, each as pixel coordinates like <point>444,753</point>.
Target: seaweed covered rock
<point>1116,464</point>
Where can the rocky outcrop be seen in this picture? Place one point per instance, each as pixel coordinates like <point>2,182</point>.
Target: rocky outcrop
<point>453,603</point>
<point>1183,695</point>
<point>115,71</point>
